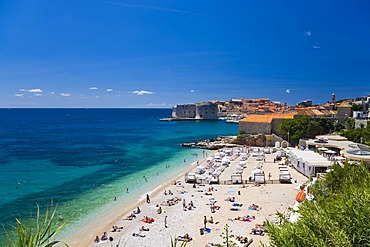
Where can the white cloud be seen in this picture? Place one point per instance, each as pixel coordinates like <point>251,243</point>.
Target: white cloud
<point>316,47</point>
<point>37,94</point>
<point>52,93</point>
<point>109,90</point>
<point>142,92</point>
<point>192,91</point>
<point>65,94</point>
<point>93,88</point>
<point>180,11</point>
<point>308,33</point>
<point>156,105</point>
<point>97,96</point>
<point>288,90</point>
<point>33,90</point>
<point>18,94</point>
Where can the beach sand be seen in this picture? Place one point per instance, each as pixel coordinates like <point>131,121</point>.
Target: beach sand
<point>271,197</point>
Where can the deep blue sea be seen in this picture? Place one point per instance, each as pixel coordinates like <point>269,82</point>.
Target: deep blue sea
<point>80,159</point>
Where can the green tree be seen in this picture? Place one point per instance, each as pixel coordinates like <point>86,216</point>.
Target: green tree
<point>304,127</point>
<point>349,122</point>
<point>357,107</point>
<point>338,127</point>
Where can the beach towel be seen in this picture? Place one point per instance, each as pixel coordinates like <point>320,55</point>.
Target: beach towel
<point>150,220</point>
<point>300,196</point>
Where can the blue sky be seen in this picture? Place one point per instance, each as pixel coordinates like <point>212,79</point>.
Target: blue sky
<point>112,53</point>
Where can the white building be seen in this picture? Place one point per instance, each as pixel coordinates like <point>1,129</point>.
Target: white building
<point>308,162</point>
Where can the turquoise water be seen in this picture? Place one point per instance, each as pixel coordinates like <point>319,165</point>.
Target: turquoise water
<point>80,159</point>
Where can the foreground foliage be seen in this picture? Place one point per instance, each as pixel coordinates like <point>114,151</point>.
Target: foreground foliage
<point>38,232</point>
<point>338,217</point>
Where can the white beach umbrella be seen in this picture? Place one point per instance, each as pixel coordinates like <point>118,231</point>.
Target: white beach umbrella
<point>257,170</point>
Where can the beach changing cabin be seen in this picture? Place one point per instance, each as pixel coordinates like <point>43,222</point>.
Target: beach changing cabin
<point>190,177</point>
<point>236,178</point>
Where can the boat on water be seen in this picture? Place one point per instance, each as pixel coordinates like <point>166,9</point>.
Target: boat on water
<point>233,118</point>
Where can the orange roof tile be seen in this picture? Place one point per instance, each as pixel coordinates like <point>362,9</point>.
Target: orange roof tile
<point>267,118</point>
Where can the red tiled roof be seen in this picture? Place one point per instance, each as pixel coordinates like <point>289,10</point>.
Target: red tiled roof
<point>267,118</point>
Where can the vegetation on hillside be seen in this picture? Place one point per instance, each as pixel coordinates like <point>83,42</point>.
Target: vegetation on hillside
<point>304,127</point>
<point>339,215</point>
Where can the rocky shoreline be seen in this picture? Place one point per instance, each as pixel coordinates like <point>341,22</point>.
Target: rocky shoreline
<point>213,144</point>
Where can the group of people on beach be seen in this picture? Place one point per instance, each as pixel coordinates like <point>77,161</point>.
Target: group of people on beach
<point>189,206</point>
<point>104,237</point>
<point>133,214</point>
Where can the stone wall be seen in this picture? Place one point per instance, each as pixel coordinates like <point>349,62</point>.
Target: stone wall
<point>184,111</point>
<point>274,126</point>
<point>343,112</point>
<point>254,128</point>
<point>207,111</point>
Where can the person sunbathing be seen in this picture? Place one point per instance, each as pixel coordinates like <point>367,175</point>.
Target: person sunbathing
<point>254,207</point>
<point>185,238</point>
<point>143,229</point>
<point>130,217</point>
<point>245,218</point>
<point>258,229</point>
<point>116,228</point>
<point>138,235</point>
<point>230,199</point>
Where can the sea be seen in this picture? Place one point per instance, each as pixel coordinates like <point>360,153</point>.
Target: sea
<point>84,160</point>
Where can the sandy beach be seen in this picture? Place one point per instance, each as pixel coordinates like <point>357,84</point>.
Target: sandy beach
<point>174,221</point>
